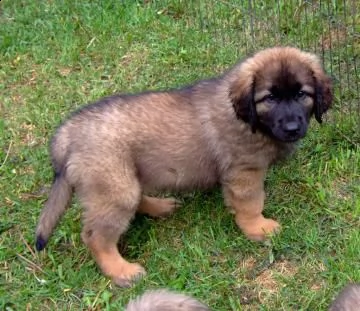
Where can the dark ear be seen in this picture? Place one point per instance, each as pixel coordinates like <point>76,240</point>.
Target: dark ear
<point>243,101</point>
<point>323,95</point>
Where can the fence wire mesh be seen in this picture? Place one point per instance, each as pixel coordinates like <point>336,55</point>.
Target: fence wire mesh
<point>331,29</point>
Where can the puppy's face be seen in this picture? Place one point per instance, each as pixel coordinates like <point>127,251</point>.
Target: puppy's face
<point>284,100</point>
<point>286,89</point>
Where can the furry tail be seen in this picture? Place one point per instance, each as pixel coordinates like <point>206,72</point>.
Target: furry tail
<point>163,300</point>
<point>55,207</point>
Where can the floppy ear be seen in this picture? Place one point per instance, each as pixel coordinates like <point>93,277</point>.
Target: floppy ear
<point>323,94</point>
<point>242,98</point>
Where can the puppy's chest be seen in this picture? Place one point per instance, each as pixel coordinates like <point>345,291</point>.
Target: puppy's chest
<point>252,153</point>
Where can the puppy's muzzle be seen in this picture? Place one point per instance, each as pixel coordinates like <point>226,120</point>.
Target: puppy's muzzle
<point>290,129</point>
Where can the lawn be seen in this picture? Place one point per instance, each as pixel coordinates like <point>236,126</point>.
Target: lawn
<point>58,55</point>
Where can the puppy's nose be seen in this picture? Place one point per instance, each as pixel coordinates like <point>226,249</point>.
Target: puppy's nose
<point>292,127</point>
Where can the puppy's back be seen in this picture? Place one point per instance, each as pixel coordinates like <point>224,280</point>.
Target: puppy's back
<point>163,300</point>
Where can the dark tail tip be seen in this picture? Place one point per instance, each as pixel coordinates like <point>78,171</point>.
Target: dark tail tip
<point>40,243</point>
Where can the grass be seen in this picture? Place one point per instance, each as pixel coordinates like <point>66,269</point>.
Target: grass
<point>57,55</point>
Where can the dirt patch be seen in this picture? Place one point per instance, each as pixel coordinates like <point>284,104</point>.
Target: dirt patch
<point>263,281</point>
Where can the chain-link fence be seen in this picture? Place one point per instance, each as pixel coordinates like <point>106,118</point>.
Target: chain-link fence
<point>331,29</point>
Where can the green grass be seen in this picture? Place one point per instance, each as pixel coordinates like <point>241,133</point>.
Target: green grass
<point>57,55</point>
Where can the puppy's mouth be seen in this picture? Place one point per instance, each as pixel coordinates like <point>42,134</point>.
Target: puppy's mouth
<point>289,139</point>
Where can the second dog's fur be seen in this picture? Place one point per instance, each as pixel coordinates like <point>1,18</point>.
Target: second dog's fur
<point>347,300</point>
<point>163,300</point>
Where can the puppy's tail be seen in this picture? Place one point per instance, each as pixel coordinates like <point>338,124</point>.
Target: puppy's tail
<point>163,300</point>
<point>59,198</point>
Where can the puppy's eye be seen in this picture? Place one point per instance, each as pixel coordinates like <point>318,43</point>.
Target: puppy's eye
<point>271,98</point>
<point>301,94</point>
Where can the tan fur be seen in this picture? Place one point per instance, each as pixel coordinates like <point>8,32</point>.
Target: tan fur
<point>115,151</point>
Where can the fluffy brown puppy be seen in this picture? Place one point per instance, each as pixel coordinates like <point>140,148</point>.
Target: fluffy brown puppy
<point>227,131</point>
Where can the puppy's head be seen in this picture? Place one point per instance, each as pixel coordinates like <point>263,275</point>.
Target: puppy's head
<point>277,91</point>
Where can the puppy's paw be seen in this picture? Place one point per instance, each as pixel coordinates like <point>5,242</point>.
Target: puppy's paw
<point>128,274</point>
<point>158,207</point>
<point>167,206</point>
<point>260,229</point>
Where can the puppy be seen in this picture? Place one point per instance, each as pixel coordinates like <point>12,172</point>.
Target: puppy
<point>228,130</point>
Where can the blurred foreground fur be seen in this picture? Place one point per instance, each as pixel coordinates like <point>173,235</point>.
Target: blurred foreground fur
<point>348,299</point>
<point>163,300</point>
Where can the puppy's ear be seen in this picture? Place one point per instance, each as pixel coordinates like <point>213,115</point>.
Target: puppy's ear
<point>242,96</point>
<point>323,94</point>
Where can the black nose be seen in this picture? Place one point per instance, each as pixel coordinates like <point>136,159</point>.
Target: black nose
<point>291,127</point>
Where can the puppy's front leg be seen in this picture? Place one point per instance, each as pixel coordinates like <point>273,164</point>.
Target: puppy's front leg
<point>244,194</point>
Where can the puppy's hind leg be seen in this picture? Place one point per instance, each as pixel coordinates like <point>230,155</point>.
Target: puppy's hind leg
<point>109,208</point>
